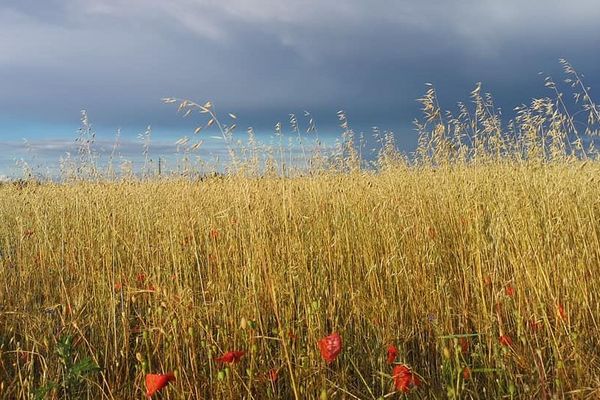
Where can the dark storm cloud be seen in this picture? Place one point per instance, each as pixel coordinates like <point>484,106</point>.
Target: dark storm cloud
<point>265,58</point>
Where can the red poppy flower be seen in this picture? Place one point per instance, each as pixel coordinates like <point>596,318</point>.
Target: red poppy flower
<point>118,286</point>
<point>506,340</point>
<point>330,347</point>
<point>510,291</point>
<point>464,345</point>
<point>392,353</point>
<point>155,382</point>
<point>231,357</point>
<point>141,278</point>
<point>466,373</point>
<point>404,378</point>
<point>214,233</point>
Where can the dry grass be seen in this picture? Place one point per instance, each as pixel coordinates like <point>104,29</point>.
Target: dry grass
<point>399,257</point>
<point>165,275</point>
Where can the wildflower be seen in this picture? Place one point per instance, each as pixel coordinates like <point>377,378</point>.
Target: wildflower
<point>466,373</point>
<point>392,353</point>
<point>330,347</point>
<point>404,378</point>
<point>506,340</point>
<point>231,357</point>
<point>155,382</point>
<point>510,291</point>
<point>214,233</point>
<point>141,278</point>
<point>464,345</point>
<point>273,375</point>
<point>118,286</point>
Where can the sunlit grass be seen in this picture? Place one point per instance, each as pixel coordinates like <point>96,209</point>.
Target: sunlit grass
<point>166,276</point>
<point>478,263</point>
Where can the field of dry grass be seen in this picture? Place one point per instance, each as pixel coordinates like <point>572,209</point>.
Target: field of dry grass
<point>467,271</point>
<point>166,276</point>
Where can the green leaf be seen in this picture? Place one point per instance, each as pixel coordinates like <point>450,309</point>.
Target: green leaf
<point>84,367</point>
<point>41,392</point>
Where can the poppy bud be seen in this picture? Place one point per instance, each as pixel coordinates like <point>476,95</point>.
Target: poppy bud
<point>510,291</point>
<point>466,373</point>
<point>273,375</point>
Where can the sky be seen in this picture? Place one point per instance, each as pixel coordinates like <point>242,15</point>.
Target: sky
<point>265,59</point>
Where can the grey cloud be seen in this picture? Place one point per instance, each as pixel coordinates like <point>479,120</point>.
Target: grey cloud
<point>265,58</point>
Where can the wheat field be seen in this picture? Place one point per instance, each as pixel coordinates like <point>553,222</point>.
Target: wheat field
<point>478,263</point>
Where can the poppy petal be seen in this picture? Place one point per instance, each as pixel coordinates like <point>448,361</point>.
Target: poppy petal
<point>156,382</point>
<point>231,357</point>
<point>404,378</point>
